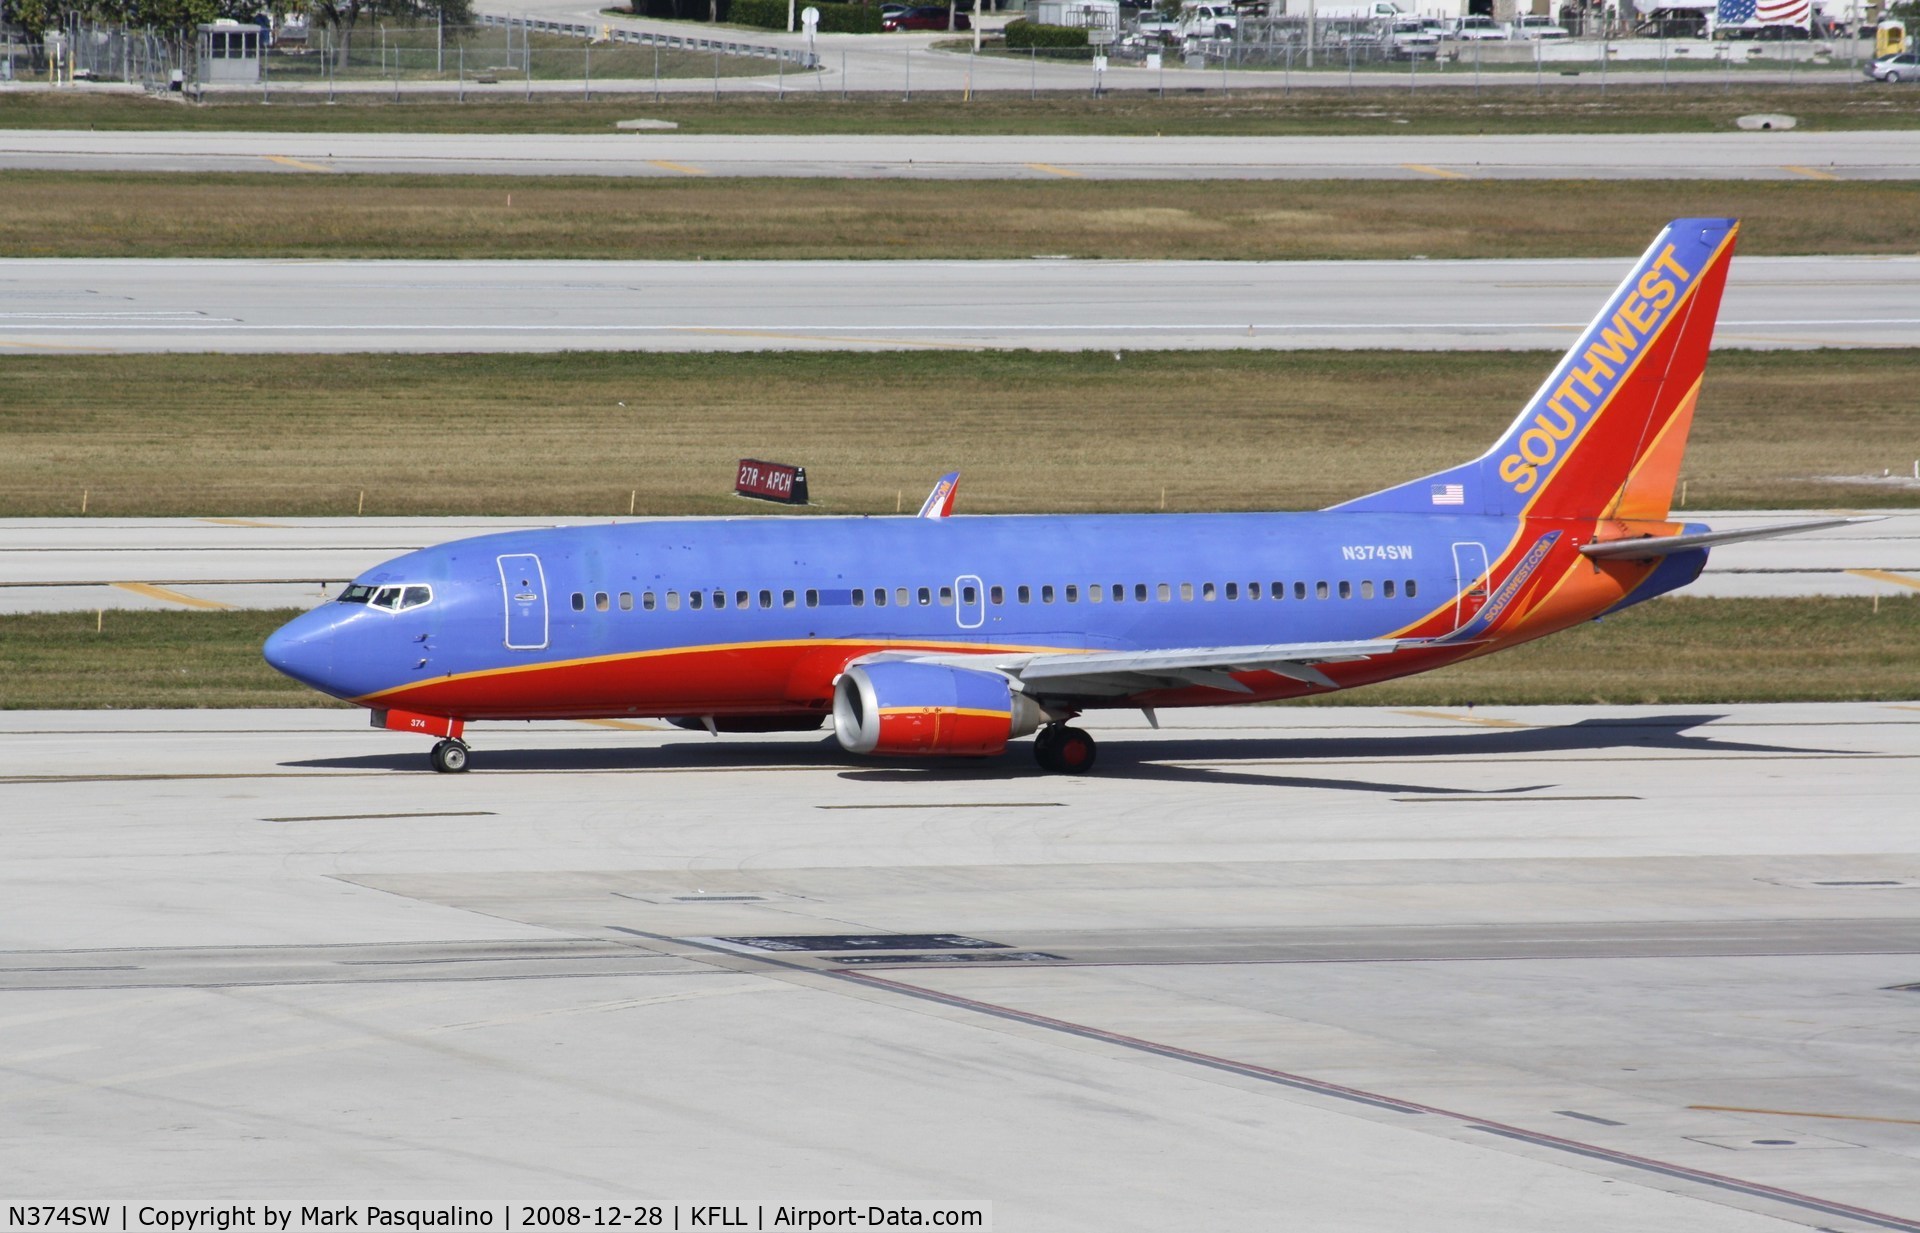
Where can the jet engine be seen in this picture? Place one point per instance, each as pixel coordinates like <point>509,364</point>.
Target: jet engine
<point>914,708</point>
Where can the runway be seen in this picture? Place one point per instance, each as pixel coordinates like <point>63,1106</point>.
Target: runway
<point>1846,155</point>
<point>402,306</point>
<point>1513,969</point>
<point>84,564</point>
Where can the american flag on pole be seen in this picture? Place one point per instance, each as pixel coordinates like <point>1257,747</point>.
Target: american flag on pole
<point>1451,494</point>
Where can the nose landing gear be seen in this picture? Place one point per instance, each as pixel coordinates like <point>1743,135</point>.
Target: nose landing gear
<point>1063,750</point>
<point>449,756</point>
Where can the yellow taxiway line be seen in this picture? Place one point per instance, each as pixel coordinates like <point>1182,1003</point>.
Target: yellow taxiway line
<point>285,161</point>
<point>1881,575</point>
<point>682,168</point>
<point>1050,169</point>
<point>1468,719</point>
<point>1812,173</point>
<point>172,597</point>
<point>1836,1117</point>
<point>1441,172</point>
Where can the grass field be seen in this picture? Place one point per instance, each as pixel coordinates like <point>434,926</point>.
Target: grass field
<point>1688,108</point>
<point>64,214</point>
<point>1674,651</point>
<point>600,433</point>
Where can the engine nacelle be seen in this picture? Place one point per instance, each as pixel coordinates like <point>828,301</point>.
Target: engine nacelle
<point>933,709</point>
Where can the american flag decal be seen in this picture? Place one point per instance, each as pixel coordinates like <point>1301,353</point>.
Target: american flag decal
<point>1449,494</point>
<point>1766,12</point>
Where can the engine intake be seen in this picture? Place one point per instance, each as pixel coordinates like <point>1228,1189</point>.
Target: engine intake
<point>930,709</point>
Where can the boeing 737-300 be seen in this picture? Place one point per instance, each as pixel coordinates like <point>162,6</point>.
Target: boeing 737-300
<point>938,635</point>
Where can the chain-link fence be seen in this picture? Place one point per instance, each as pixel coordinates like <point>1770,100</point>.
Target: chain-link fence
<point>86,51</point>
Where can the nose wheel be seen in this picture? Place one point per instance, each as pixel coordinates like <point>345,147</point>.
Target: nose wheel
<point>1063,750</point>
<point>449,757</point>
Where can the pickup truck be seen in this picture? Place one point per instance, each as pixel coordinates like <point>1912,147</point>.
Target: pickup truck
<point>1411,40</point>
<point>1208,21</point>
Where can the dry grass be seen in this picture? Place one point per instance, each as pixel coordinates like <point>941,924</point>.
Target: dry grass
<point>1513,108</point>
<point>49,214</point>
<point>56,660</point>
<point>1691,651</point>
<point>546,434</point>
<point>1674,651</point>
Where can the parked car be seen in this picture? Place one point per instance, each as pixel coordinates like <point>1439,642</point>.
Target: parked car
<point>1410,40</point>
<point>1476,28</point>
<point>1903,67</point>
<point>926,17</point>
<point>1533,26</point>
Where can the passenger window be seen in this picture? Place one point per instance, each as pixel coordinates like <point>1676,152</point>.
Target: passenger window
<point>1346,589</point>
<point>413,597</point>
<point>1366,590</point>
<point>969,595</point>
<point>1119,592</point>
<point>1046,594</point>
<point>1412,590</point>
<point>766,599</point>
<point>1319,590</point>
<point>1093,592</point>
<point>1233,590</point>
<point>1186,592</point>
<point>946,597</point>
<point>1166,593</point>
<point>926,597</point>
<point>601,601</point>
<point>998,595</point>
<point>719,598</point>
<point>1386,588</point>
<point>673,601</point>
<point>626,601</point>
<point>696,600</point>
<point>859,597</point>
<point>1253,590</point>
<point>579,602</point>
<point>1299,590</point>
<point>879,597</point>
<point>1073,593</point>
<point>646,600</point>
<point>1140,593</point>
<point>900,599</point>
<point>813,598</point>
<point>1026,594</point>
<point>786,599</point>
<point>1206,592</point>
<point>742,599</point>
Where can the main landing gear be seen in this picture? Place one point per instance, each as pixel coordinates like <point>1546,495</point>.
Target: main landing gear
<point>449,757</point>
<point>1064,750</point>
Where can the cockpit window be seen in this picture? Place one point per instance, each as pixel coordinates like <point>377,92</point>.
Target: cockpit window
<point>397,598</point>
<point>358,593</point>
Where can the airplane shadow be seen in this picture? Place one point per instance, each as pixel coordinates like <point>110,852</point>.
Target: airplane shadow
<point>1145,756</point>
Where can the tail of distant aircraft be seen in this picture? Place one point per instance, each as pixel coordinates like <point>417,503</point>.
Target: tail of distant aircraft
<point>1604,435</point>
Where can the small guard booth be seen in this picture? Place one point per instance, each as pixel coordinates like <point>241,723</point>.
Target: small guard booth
<point>229,53</point>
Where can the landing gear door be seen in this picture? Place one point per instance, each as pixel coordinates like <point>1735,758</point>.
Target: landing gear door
<point>525,589</point>
<point>1470,581</point>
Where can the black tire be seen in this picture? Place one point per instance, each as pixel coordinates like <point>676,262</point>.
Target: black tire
<point>449,757</point>
<point>1061,750</point>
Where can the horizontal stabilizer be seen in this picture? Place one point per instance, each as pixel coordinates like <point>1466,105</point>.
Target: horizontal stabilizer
<point>1652,546</point>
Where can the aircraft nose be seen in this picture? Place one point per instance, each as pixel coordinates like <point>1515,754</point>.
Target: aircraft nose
<point>303,649</point>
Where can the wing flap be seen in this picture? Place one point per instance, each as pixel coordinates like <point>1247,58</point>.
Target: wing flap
<point>1118,673</point>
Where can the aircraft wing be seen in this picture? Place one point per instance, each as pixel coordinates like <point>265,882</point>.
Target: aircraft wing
<point>1115,673</point>
<point>1666,545</point>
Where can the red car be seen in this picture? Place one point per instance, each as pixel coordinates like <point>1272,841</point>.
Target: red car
<point>926,17</point>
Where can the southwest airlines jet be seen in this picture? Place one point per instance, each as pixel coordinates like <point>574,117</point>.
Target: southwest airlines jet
<point>938,635</point>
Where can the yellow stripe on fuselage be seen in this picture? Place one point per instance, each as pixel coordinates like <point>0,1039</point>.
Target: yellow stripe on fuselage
<point>867,645</point>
